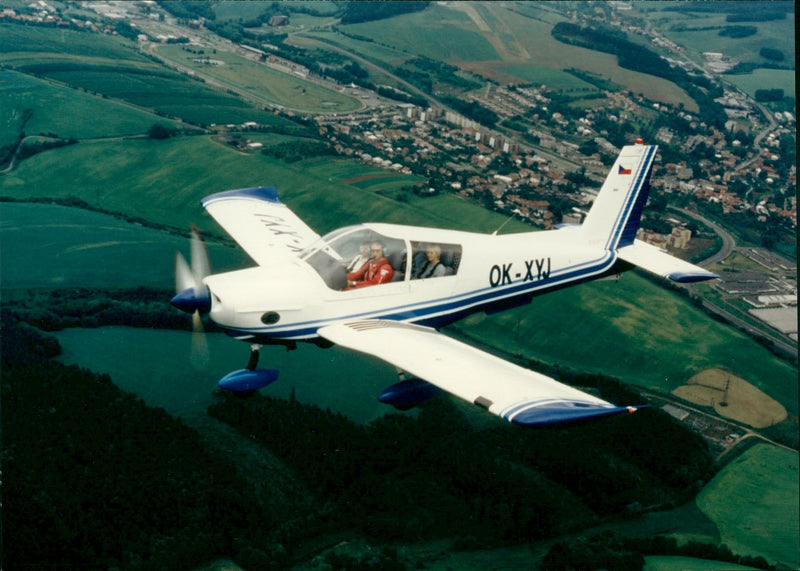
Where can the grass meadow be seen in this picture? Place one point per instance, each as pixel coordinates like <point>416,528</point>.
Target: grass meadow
<point>699,32</point>
<point>163,181</point>
<point>765,79</point>
<point>64,111</point>
<point>512,43</point>
<point>439,32</point>
<point>31,45</point>
<point>754,503</point>
<point>669,563</point>
<point>110,67</point>
<point>263,82</point>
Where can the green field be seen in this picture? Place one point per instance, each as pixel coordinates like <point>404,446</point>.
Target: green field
<point>754,502</point>
<point>438,32</point>
<point>113,68</point>
<point>64,111</point>
<point>46,245</point>
<point>163,181</point>
<point>509,43</point>
<point>669,563</point>
<point>553,78</point>
<point>262,82</point>
<point>30,45</point>
<point>765,79</point>
<point>698,32</point>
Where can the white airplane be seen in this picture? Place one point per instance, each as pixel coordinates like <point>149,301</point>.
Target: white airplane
<point>424,278</point>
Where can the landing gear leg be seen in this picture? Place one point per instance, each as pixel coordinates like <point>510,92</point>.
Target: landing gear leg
<point>254,354</point>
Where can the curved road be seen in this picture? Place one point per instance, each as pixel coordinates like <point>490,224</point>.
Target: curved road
<point>728,241</point>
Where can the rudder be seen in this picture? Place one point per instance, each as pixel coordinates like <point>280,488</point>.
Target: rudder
<point>614,217</point>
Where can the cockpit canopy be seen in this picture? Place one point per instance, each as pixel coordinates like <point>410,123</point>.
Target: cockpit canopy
<point>348,249</point>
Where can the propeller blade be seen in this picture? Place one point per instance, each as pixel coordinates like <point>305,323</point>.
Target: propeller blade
<point>200,354</point>
<point>201,265</point>
<point>184,278</point>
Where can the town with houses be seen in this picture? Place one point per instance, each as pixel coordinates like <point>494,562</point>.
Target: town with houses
<point>549,173</point>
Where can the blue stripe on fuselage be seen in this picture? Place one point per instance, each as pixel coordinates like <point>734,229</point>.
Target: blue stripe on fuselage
<point>439,312</point>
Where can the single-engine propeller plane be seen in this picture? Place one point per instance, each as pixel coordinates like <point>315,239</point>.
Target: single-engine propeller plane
<point>385,289</point>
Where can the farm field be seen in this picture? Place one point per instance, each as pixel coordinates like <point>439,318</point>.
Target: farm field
<point>754,502</point>
<point>24,46</point>
<point>161,181</point>
<point>262,82</point>
<point>369,50</point>
<point>699,32</point>
<point>551,77</point>
<point>668,563</point>
<point>60,246</point>
<point>106,66</point>
<point>61,110</point>
<point>440,33</point>
<point>512,43</point>
<point>765,79</point>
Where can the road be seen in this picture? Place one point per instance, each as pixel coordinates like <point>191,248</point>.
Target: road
<point>728,241</point>
<point>728,247</point>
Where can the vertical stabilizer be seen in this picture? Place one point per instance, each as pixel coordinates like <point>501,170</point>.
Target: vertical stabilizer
<point>614,217</point>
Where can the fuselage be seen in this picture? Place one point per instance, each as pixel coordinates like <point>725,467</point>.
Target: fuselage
<point>291,299</point>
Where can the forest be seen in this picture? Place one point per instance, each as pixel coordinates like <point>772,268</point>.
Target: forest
<point>95,477</point>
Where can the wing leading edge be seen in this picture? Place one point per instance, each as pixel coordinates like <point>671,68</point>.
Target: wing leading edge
<point>260,223</point>
<point>519,395</point>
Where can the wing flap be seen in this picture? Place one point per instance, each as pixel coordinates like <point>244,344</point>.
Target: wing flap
<point>650,258</point>
<point>507,390</point>
<point>260,223</point>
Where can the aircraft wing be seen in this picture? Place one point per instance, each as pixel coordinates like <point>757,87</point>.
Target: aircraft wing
<point>507,390</point>
<point>650,258</point>
<point>260,223</point>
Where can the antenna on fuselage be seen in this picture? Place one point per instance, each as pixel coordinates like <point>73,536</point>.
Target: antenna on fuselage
<point>515,211</point>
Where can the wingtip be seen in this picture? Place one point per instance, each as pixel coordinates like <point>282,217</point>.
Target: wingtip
<point>267,193</point>
<point>692,277</point>
<point>569,413</point>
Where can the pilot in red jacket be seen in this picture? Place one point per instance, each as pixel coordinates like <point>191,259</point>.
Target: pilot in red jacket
<point>376,271</point>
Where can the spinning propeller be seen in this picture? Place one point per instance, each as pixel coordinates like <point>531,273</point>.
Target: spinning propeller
<point>193,296</point>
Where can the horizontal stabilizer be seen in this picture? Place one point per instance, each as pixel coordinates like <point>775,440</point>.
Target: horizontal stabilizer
<point>662,264</point>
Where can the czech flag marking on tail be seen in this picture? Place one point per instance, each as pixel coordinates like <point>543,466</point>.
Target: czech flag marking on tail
<point>623,170</point>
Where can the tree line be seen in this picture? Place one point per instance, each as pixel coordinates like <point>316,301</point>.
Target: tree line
<point>150,494</point>
<point>93,478</point>
<point>405,478</point>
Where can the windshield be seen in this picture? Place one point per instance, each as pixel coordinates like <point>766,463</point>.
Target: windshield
<point>347,250</point>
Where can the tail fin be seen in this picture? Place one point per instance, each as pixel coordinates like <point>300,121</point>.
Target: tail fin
<point>614,217</point>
